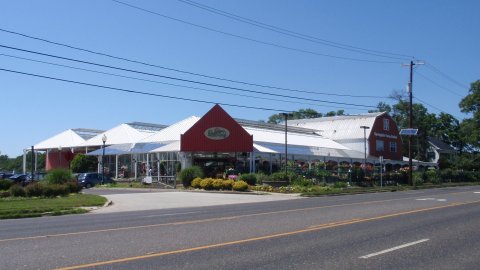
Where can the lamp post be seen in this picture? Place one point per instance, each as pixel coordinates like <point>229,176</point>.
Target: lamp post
<point>286,144</point>
<point>365,146</point>
<point>104,140</point>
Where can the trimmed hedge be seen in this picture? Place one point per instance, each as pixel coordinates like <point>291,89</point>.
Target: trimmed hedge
<point>228,184</point>
<point>196,182</point>
<point>240,186</point>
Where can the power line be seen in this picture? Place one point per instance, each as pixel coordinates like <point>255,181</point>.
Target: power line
<point>295,34</point>
<point>184,80</point>
<point>183,71</point>
<point>140,92</point>
<point>430,105</point>
<point>437,84</point>
<point>254,40</point>
<point>436,70</point>
<point>165,83</point>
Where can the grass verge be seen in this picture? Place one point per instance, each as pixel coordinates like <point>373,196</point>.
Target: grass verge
<point>35,207</point>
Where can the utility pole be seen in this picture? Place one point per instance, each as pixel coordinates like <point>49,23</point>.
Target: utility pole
<point>410,119</point>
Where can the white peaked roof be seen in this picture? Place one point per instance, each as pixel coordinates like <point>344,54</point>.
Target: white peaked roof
<point>278,137</point>
<point>120,134</point>
<point>68,138</point>
<point>339,127</point>
<point>173,132</point>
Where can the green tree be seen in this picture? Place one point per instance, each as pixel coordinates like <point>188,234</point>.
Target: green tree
<point>471,126</point>
<point>83,163</point>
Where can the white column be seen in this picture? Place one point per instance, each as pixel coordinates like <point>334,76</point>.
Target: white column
<point>116,166</point>
<point>24,161</point>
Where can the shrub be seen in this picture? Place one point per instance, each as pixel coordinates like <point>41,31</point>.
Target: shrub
<point>196,182</point>
<point>240,186</point>
<point>250,178</point>
<point>188,174</point>
<point>217,184</point>
<point>5,184</point>
<point>54,190</point>
<point>5,194</point>
<point>431,176</point>
<point>340,184</point>
<point>280,176</point>
<point>58,176</point>
<point>73,187</point>
<point>261,178</point>
<point>17,191</point>
<point>302,182</point>
<point>228,184</point>
<point>34,190</point>
<point>207,183</point>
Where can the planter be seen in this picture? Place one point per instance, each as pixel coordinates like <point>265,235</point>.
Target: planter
<point>275,183</point>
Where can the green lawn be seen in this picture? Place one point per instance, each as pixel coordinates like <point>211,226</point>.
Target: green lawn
<point>35,207</point>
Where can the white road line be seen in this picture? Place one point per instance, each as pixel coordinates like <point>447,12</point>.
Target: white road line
<point>393,249</point>
<point>173,214</point>
<point>477,192</point>
<point>426,199</point>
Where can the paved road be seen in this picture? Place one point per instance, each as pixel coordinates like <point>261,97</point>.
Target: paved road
<point>429,229</point>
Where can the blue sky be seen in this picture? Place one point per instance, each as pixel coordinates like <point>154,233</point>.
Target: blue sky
<point>442,33</point>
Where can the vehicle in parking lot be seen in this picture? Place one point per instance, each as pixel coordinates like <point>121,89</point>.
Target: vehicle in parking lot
<point>18,178</point>
<point>38,176</point>
<point>88,180</point>
<point>5,175</point>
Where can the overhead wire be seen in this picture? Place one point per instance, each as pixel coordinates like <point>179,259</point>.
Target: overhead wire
<point>252,39</point>
<point>183,80</point>
<point>296,34</point>
<point>183,71</point>
<point>437,84</point>
<point>140,92</point>
<point>436,70</point>
<point>170,84</point>
<point>430,105</point>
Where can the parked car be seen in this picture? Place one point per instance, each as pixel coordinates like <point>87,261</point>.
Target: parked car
<point>88,180</point>
<point>5,175</point>
<point>18,178</point>
<point>38,176</point>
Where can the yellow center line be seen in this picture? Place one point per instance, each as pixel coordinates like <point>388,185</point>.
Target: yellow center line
<point>207,220</point>
<point>243,241</point>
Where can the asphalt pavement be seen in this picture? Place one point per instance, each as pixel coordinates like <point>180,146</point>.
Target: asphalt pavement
<point>423,229</point>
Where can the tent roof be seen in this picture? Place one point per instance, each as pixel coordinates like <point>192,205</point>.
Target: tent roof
<point>67,138</point>
<point>121,134</point>
<point>339,127</point>
<point>173,132</point>
<point>276,136</point>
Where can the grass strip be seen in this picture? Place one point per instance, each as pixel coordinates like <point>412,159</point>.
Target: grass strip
<point>19,207</point>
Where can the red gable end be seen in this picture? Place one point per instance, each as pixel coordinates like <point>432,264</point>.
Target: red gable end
<point>216,131</point>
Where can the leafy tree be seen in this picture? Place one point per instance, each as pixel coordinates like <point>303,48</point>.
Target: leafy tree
<point>300,114</point>
<point>83,163</point>
<point>471,126</point>
<point>382,107</point>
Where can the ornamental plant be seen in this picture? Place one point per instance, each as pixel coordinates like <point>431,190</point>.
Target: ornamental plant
<point>217,184</point>
<point>240,186</point>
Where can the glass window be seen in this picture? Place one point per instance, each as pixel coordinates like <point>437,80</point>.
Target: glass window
<point>380,146</point>
<point>386,124</point>
<point>393,147</point>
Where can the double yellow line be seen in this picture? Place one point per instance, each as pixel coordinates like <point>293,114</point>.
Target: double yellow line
<point>243,241</point>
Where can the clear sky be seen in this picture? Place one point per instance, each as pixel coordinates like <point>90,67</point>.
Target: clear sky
<point>442,33</point>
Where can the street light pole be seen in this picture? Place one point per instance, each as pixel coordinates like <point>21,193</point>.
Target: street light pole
<point>365,146</point>
<point>104,140</point>
<point>286,144</point>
